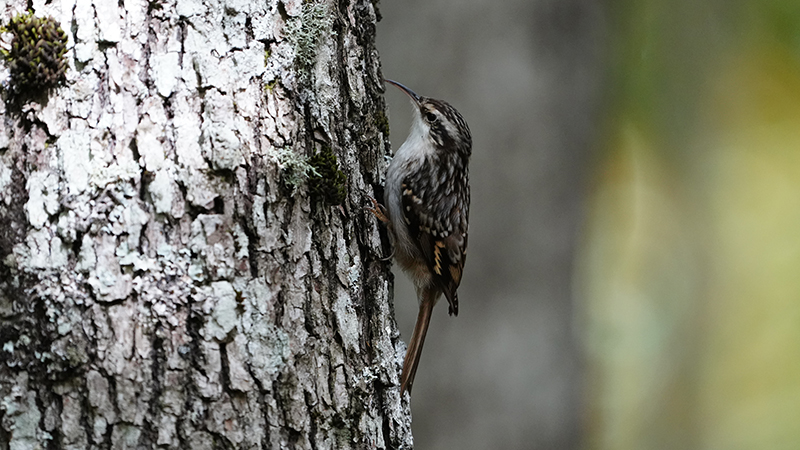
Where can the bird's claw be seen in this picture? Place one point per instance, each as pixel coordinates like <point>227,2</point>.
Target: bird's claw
<point>378,210</point>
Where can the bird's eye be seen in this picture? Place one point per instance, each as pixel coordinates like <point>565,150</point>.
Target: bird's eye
<point>430,117</point>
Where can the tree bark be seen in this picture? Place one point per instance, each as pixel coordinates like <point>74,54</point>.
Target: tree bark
<point>181,264</point>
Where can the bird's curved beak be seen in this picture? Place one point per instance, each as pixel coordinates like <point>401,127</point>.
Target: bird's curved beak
<point>416,98</point>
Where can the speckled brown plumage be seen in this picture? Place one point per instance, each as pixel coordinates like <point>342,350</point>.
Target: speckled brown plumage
<point>427,203</point>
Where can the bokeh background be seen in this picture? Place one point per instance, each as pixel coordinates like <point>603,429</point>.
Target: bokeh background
<point>633,279</point>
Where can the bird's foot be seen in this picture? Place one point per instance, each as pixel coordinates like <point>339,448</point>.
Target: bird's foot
<point>377,210</point>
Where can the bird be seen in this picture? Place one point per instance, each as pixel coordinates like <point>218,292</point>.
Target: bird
<point>426,207</point>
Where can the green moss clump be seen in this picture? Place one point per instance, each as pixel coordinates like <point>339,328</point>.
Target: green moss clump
<point>327,182</point>
<point>382,122</point>
<point>36,58</point>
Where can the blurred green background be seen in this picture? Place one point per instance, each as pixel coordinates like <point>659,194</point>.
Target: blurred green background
<point>634,271</point>
<point>689,263</point>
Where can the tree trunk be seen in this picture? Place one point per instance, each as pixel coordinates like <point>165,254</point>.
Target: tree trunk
<point>182,265</point>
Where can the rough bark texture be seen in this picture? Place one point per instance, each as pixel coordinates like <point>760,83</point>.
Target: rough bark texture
<point>167,277</point>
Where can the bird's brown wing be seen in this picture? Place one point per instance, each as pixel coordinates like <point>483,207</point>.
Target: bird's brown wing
<point>440,229</point>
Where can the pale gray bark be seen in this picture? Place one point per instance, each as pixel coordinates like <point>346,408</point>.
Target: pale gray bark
<point>166,279</point>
